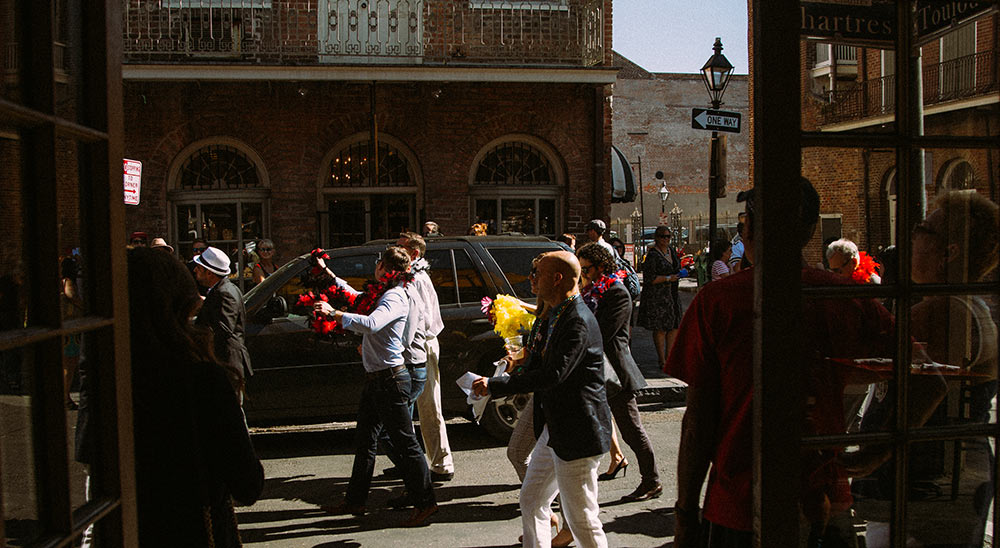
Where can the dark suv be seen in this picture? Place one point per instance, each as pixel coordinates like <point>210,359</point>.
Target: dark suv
<point>300,377</point>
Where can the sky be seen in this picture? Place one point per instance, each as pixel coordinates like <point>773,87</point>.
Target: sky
<point>677,35</point>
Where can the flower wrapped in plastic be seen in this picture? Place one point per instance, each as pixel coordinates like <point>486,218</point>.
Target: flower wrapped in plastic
<point>509,318</point>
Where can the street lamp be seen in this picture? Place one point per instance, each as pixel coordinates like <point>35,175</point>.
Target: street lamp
<point>664,194</point>
<point>716,73</point>
<point>675,223</point>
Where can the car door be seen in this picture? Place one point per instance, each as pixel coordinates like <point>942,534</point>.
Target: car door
<point>299,374</point>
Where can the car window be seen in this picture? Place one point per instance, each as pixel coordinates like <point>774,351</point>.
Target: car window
<point>442,275</point>
<point>354,269</point>
<point>471,287</point>
<point>515,263</point>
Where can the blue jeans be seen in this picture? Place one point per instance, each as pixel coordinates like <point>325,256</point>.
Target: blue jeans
<point>385,405</point>
<point>418,377</point>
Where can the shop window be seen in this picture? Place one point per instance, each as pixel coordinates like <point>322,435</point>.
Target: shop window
<point>516,189</point>
<point>220,194</point>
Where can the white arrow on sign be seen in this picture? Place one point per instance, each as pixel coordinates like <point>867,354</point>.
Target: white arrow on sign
<point>702,119</point>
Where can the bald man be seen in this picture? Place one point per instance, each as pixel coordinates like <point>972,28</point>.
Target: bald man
<point>572,419</point>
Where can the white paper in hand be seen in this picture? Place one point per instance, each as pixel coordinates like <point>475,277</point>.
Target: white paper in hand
<point>465,383</point>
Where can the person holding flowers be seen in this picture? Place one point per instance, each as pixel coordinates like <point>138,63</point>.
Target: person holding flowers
<point>604,292</point>
<point>572,421</point>
<point>383,310</point>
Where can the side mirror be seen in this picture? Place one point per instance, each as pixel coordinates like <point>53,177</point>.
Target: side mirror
<point>276,307</point>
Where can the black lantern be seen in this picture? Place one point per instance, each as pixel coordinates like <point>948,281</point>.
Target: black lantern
<point>716,73</point>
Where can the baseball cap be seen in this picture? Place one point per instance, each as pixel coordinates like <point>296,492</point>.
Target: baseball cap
<point>597,225</point>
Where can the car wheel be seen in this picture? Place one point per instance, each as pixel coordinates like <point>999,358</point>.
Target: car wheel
<point>501,413</point>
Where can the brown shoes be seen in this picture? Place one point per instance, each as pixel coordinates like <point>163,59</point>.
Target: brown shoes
<point>420,516</point>
<point>344,509</point>
<point>645,491</point>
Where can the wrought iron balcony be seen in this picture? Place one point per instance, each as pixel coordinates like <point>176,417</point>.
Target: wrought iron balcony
<point>963,78</point>
<point>304,32</point>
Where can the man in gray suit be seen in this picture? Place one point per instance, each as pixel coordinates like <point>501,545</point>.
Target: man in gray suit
<point>224,314</point>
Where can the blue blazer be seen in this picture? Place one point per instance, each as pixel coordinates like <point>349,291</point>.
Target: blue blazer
<point>567,377</point>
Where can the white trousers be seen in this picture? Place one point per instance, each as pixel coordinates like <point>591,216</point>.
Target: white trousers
<point>575,481</point>
<point>432,425</point>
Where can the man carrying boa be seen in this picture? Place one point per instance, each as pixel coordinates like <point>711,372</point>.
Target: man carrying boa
<point>385,399</point>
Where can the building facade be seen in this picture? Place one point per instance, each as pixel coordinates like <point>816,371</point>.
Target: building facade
<point>652,127</point>
<point>333,123</point>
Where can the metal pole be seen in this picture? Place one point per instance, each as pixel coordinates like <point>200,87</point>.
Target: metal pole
<point>713,171</point>
<point>642,207</point>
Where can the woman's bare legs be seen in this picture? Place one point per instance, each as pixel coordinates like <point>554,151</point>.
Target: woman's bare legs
<point>615,453</point>
<point>671,337</point>
<point>660,342</point>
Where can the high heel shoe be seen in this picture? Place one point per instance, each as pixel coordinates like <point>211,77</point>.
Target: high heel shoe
<point>622,465</point>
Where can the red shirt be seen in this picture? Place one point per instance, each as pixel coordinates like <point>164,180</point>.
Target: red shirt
<point>714,350</point>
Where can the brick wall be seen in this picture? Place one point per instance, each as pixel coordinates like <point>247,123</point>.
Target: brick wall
<point>293,126</point>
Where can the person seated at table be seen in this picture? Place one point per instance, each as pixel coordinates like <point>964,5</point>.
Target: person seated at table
<point>955,330</point>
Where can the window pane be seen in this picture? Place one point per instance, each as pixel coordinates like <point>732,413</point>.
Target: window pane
<point>547,217</point>
<point>14,280</point>
<point>486,212</point>
<point>347,222</point>
<point>517,216</point>
<point>219,222</point>
<point>846,89</point>
<point>442,275</point>
<point>515,263</point>
<point>873,496</point>
<point>354,269</point>
<point>17,464</point>
<point>471,288</point>
<point>252,219</point>
<point>188,227</point>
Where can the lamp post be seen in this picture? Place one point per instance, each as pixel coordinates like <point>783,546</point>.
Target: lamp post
<point>664,194</point>
<point>675,224</point>
<point>716,73</point>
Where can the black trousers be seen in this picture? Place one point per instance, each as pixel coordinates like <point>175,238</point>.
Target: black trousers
<point>626,413</point>
<point>385,403</point>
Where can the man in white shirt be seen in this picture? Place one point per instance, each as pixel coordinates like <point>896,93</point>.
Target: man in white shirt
<point>432,425</point>
<point>595,233</point>
<point>385,399</point>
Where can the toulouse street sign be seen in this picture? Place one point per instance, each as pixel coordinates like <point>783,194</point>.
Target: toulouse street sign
<point>715,120</point>
<point>874,23</point>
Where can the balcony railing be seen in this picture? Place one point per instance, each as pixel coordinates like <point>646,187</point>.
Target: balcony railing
<point>296,32</point>
<point>962,78</point>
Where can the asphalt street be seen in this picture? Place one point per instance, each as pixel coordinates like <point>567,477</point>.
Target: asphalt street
<point>307,467</point>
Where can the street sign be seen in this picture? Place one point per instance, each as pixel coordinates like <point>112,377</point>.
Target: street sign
<point>715,120</point>
<point>133,181</point>
<point>873,23</point>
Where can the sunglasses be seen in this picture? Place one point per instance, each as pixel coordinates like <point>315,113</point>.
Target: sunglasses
<point>266,249</point>
<point>533,273</point>
<point>198,250</point>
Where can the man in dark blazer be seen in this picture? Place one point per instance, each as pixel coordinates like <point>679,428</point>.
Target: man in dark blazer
<point>572,418</point>
<point>612,305</point>
<point>224,314</point>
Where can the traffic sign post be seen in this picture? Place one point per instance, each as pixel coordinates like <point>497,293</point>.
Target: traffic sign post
<point>715,120</point>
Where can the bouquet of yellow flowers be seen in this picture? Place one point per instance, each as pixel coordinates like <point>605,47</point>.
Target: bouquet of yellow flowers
<point>508,317</point>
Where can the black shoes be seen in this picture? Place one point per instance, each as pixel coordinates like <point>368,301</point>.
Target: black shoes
<point>645,491</point>
<point>442,476</point>
<point>400,502</point>
<point>344,508</point>
<point>622,465</point>
<point>394,473</point>
<point>420,516</point>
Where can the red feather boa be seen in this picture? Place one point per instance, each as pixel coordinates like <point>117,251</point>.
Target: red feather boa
<point>866,267</point>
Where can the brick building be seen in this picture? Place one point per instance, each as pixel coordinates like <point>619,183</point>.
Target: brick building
<point>850,89</point>
<point>652,127</point>
<point>332,123</point>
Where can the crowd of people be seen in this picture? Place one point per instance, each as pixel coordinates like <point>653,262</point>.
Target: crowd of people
<point>194,454</point>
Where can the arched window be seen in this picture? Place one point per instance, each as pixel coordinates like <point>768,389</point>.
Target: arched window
<point>957,174</point>
<point>367,191</point>
<point>219,192</point>
<point>353,166</point>
<point>515,187</point>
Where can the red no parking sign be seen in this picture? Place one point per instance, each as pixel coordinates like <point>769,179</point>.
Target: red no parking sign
<point>133,180</point>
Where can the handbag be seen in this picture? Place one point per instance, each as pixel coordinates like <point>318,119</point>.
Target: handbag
<point>612,384</point>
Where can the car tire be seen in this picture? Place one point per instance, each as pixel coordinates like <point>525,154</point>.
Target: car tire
<point>501,413</point>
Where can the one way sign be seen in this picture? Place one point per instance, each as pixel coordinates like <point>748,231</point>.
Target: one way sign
<point>715,120</point>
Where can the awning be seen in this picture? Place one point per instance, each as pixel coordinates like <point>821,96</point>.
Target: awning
<point>622,178</point>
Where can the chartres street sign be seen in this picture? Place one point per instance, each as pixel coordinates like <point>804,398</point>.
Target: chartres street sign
<point>873,22</point>
<point>715,120</point>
